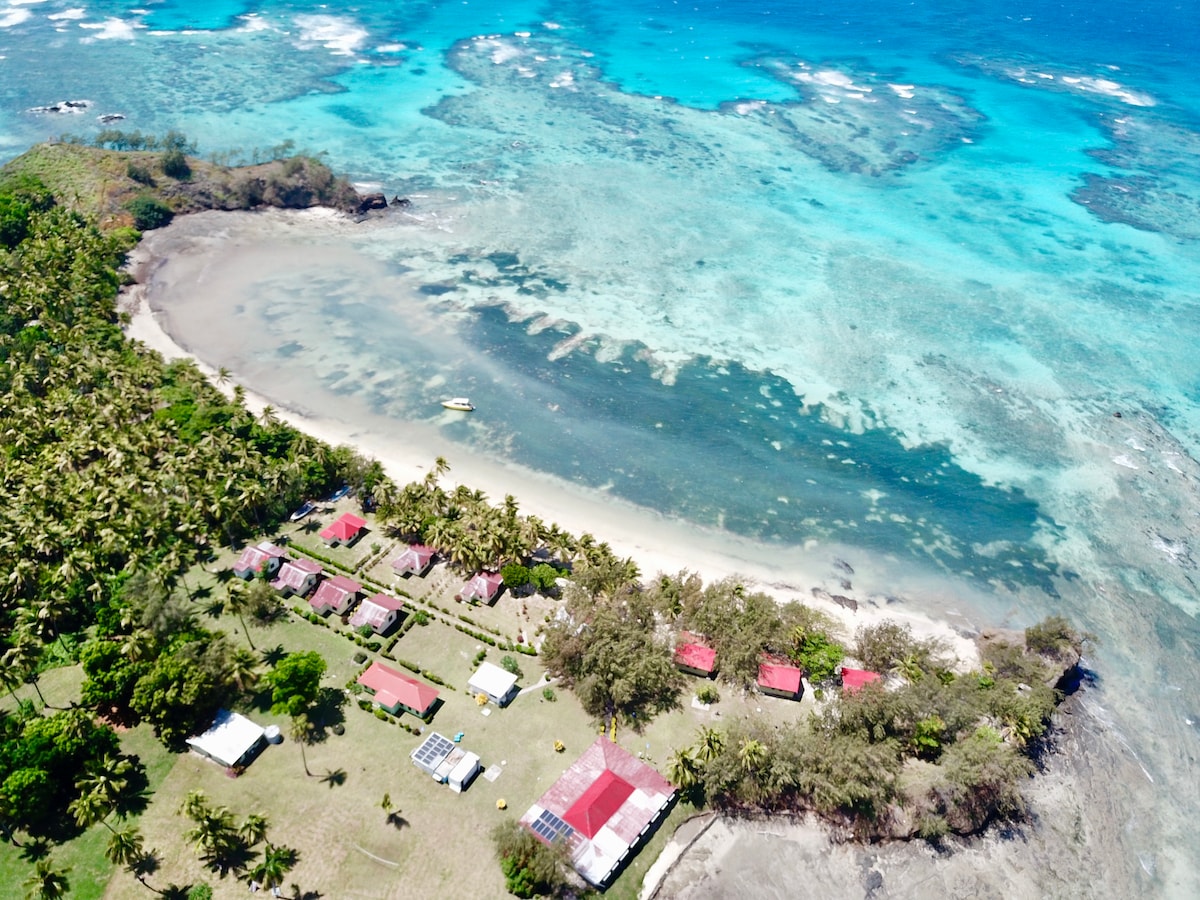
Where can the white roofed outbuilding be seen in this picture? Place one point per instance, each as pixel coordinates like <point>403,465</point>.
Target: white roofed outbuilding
<point>499,685</point>
<point>231,741</point>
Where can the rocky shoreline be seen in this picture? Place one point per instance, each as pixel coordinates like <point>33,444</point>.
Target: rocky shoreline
<point>1044,856</point>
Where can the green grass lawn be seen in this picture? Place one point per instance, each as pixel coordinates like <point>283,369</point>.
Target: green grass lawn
<point>439,842</point>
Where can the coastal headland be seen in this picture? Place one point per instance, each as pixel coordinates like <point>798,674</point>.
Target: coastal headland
<point>817,575</point>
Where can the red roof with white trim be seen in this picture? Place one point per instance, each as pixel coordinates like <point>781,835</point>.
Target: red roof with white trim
<point>374,610</point>
<point>414,559</point>
<point>254,558</point>
<point>345,528</point>
<point>294,572</point>
<point>332,593</point>
<point>609,798</point>
<point>482,586</point>
<point>390,686</point>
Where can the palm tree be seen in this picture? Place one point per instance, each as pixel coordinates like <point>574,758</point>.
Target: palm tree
<point>126,848</point>
<point>752,754</point>
<point>91,809</point>
<point>301,732</point>
<point>254,829</point>
<point>24,656</point>
<point>244,669</point>
<point>275,864</point>
<point>46,882</point>
<point>709,745</point>
<point>240,602</point>
<point>194,805</point>
<point>684,770</point>
<point>107,778</point>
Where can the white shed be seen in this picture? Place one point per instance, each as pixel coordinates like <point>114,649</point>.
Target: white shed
<point>494,681</point>
<point>231,741</point>
<point>461,776</point>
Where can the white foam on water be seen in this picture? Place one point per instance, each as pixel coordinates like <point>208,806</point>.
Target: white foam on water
<point>112,29</point>
<point>75,12</point>
<point>14,17</point>
<point>342,36</point>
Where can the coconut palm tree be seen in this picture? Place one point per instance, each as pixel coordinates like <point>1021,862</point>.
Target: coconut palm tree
<point>91,809</point>
<point>244,669</point>
<point>126,848</point>
<point>24,656</point>
<point>301,733</point>
<point>107,777</point>
<point>709,744</point>
<point>254,829</point>
<point>752,754</point>
<point>274,866</point>
<point>47,882</point>
<point>684,769</point>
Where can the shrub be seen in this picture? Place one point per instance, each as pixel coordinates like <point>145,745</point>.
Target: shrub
<point>411,666</point>
<point>364,704</point>
<point>365,630</point>
<point>381,715</point>
<point>360,657</point>
<point>708,694</point>
<point>508,664</point>
<point>175,164</point>
<point>1050,635</point>
<point>140,174</point>
<point>421,617</point>
<point>200,892</point>
<point>149,212</point>
<point>548,694</point>
<point>373,645</point>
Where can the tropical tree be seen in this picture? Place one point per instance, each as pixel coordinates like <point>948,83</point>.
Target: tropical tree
<point>709,744</point>
<point>752,753</point>
<point>47,882</point>
<point>274,866</point>
<point>300,731</point>
<point>126,848</point>
<point>683,770</point>
<point>254,829</point>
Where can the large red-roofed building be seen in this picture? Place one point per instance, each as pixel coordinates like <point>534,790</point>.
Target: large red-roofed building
<point>396,692</point>
<point>603,806</point>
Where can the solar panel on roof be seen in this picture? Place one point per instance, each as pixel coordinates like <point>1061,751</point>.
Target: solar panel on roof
<point>433,751</point>
<point>551,827</point>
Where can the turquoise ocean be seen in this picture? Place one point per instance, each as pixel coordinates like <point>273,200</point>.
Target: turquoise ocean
<point>920,281</point>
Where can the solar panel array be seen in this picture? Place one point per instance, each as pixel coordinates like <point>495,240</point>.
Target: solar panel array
<point>551,827</point>
<point>433,751</point>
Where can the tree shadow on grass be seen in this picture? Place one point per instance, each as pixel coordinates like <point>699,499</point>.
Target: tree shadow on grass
<point>334,778</point>
<point>136,796</point>
<point>397,821</point>
<point>274,656</point>
<point>327,712</point>
<point>33,850</point>
<point>215,609</point>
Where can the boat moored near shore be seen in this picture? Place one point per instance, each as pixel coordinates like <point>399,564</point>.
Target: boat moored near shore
<point>460,403</point>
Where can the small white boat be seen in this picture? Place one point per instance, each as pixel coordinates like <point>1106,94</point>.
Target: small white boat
<point>460,403</point>
<point>305,508</point>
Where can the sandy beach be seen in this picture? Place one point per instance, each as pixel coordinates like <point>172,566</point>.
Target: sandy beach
<point>812,574</point>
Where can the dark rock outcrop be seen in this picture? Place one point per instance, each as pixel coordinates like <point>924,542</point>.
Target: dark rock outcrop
<point>371,201</point>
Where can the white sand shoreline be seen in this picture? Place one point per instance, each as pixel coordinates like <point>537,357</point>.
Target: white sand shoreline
<point>654,542</point>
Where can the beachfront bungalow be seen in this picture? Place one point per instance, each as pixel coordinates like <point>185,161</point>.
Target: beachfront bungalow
<point>335,595</point>
<point>346,530</point>
<point>779,678</point>
<point>854,680</point>
<point>694,656</point>
<point>232,740</point>
<point>380,611</point>
<point>264,557</point>
<point>484,587</point>
<point>416,559</point>
<point>395,692</point>
<point>499,685</point>
<point>297,576</point>
<point>602,809</point>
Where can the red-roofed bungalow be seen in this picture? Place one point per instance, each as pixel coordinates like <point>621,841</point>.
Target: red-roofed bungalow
<point>603,808</point>
<point>414,560</point>
<point>345,530</point>
<point>483,586</point>
<point>853,680</point>
<point>335,595</point>
<point>694,656</point>
<point>396,692</point>
<point>266,556</point>
<point>780,678</point>
<point>297,576</point>
<point>380,611</point>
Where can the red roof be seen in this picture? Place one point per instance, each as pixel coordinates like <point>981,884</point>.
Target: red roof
<point>254,558</point>
<point>609,798</point>
<point>483,585</point>
<point>597,804</point>
<point>345,528</point>
<point>779,677</point>
<point>414,558</point>
<point>854,679</point>
<point>696,656</point>
<point>390,686</point>
<point>294,572</point>
<point>374,610</point>
<point>332,592</point>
